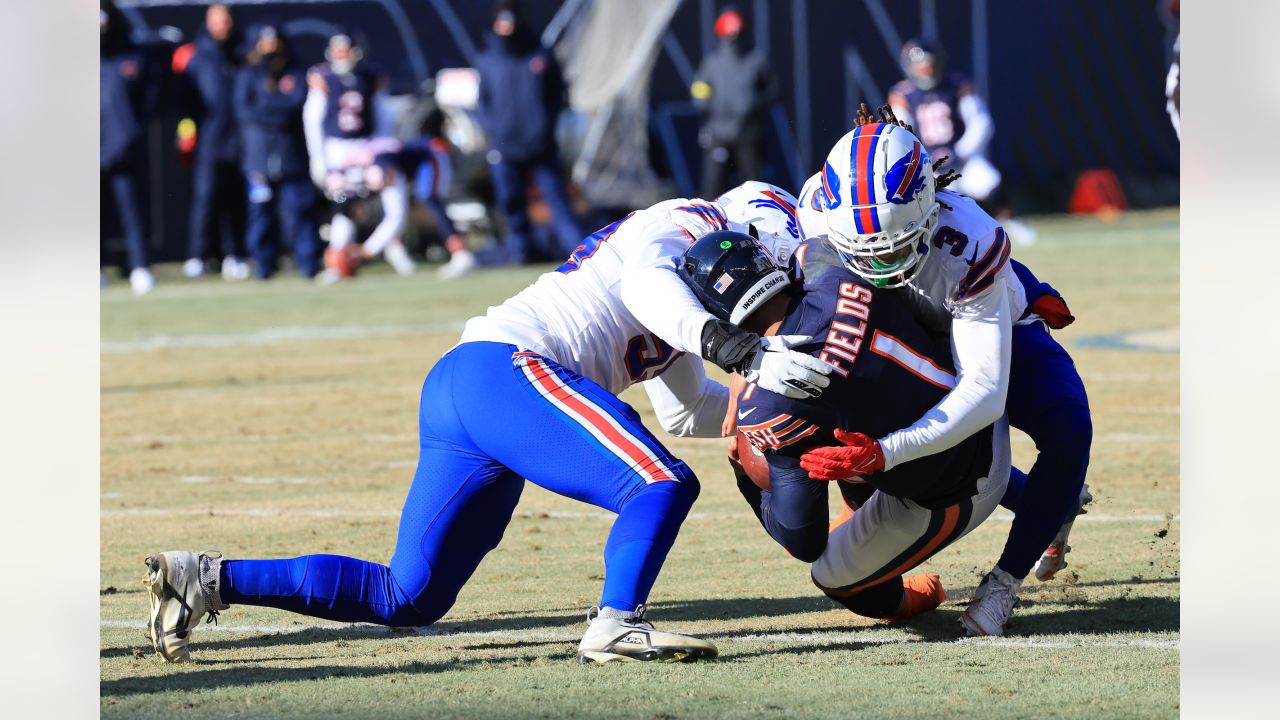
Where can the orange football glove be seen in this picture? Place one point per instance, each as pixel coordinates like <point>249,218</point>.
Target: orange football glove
<point>860,455</point>
<point>1053,310</point>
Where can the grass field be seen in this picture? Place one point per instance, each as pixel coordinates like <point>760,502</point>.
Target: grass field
<point>273,420</point>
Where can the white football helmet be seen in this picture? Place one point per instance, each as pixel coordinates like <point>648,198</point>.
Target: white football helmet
<point>771,211</point>
<point>881,209</point>
<point>813,202</point>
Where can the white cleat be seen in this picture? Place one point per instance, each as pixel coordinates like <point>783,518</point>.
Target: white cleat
<point>1055,556</point>
<point>183,588</point>
<point>460,263</point>
<point>234,269</point>
<point>142,281</point>
<point>193,268</point>
<point>992,604</point>
<point>399,259</point>
<point>635,638</point>
<point>328,276</point>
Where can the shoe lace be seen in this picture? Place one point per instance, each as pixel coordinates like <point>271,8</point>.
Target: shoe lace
<point>640,619</point>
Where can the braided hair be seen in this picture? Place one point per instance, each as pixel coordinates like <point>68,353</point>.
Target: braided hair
<point>885,114</point>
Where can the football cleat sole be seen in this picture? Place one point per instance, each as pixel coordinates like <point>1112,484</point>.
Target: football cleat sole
<point>670,655</point>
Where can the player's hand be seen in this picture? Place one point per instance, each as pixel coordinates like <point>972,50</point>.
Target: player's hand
<point>860,455</point>
<point>1053,310</point>
<point>776,367</point>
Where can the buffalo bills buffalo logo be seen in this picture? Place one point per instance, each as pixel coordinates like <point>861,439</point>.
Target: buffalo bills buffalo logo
<point>905,178</point>
<point>831,185</point>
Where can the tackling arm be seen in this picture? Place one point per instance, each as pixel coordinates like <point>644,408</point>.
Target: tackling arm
<point>650,287</point>
<point>981,341</point>
<point>686,401</point>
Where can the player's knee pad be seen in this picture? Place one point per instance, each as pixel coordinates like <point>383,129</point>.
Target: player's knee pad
<point>415,615</point>
<point>415,601</point>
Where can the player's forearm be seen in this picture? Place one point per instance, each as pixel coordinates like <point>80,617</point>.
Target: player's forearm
<point>981,346</point>
<point>963,412</point>
<point>689,412</point>
<point>661,301</point>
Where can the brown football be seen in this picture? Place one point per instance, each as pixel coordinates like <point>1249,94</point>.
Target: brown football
<point>752,462</point>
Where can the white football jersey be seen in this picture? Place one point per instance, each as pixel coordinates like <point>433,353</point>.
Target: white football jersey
<point>809,211</point>
<point>968,254</point>
<point>615,311</point>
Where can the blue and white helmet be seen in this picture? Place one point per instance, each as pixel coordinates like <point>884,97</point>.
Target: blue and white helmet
<point>881,209</point>
<point>771,211</point>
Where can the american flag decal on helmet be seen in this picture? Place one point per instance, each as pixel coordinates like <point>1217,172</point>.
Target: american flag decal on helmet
<point>723,283</point>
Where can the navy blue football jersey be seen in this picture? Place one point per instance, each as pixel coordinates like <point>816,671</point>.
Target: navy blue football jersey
<point>349,112</point>
<point>888,371</point>
<point>936,112</point>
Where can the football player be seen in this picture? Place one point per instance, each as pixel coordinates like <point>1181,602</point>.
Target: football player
<point>892,223</point>
<point>530,392</point>
<point>888,369</point>
<point>344,99</point>
<point>949,116</point>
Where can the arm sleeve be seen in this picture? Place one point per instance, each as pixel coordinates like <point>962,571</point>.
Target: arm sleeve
<point>686,401</point>
<point>981,339</point>
<point>650,287</point>
<point>978,127</point>
<point>313,128</point>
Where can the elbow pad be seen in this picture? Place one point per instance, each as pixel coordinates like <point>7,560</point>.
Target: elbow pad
<point>728,346</point>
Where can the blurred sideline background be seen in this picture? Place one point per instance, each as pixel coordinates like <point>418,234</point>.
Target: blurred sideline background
<point>1072,88</point>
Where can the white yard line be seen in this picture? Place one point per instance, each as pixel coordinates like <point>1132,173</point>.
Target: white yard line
<point>273,336</point>
<point>1059,642</point>
<point>552,515</point>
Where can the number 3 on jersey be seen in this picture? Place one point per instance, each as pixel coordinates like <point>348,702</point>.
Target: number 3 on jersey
<point>647,356</point>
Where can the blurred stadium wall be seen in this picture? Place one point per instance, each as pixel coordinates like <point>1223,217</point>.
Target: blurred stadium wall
<point>1071,86</point>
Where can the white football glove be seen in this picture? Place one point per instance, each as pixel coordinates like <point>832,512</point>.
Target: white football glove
<point>777,368</point>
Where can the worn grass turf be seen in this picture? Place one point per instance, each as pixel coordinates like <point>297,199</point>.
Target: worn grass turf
<point>272,420</point>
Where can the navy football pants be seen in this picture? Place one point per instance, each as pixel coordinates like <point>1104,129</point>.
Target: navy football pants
<point>1047,401</point>
<point>490,416</point>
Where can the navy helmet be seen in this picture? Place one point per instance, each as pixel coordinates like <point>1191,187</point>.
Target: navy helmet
<point>924,61</point>
<point>731,273</point>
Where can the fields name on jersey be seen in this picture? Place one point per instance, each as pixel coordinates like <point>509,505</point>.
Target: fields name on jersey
<point>844,340</point>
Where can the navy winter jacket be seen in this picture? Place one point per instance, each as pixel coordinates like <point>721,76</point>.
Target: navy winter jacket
<point>269,111</point>
<point>522,93</point>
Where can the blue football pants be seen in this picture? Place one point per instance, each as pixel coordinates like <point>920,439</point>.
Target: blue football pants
<point>490,417</point>
<point>1047,401</point>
